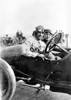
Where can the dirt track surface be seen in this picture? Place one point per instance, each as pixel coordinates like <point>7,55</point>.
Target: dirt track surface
<point>29,93</point>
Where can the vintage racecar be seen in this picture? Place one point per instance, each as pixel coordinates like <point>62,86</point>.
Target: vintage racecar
<point>56,73</point>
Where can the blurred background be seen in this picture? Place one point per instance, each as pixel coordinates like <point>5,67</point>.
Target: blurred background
<point>25,15</point>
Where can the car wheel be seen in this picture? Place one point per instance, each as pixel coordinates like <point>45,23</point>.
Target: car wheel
<point>7,81</point>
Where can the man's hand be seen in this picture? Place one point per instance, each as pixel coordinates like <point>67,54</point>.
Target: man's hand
<point>42,56</point>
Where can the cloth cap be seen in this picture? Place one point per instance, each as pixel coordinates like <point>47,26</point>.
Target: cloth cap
<point>40,28</point>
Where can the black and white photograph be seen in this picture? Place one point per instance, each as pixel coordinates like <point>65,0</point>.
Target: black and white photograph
<point>35,49</point>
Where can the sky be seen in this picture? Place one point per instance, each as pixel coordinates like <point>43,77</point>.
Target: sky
<point>25,15</point>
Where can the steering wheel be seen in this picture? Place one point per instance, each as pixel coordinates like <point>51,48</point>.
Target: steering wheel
<point>53,42</point>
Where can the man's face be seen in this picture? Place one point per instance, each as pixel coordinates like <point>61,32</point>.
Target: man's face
<point>47,36</point>
<point>40,35</point>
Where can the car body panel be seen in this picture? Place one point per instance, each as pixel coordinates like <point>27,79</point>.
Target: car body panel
<point>52,72</point>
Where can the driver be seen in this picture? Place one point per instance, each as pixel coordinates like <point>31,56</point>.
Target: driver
<point>47,37</point>
<point>35,46</point>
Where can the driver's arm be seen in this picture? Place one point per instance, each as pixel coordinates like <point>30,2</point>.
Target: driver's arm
<point>50,56</point>
<point>27,51</point>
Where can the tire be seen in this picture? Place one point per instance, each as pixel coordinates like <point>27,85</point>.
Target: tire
<point>7,81</point>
